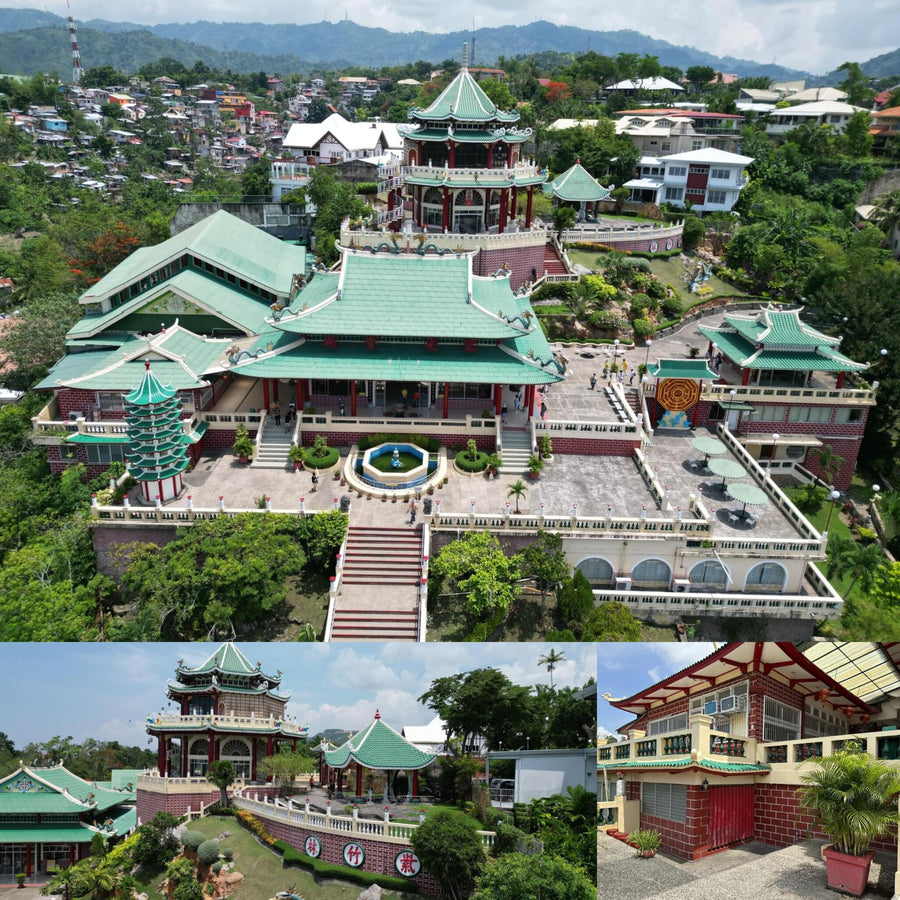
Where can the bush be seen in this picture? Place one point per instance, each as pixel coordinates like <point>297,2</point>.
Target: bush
<point>672,307</point>
<point>640,303</point>
<point>808,498</point>
<point>432,445</point>
<point>319,458</point>
<point>208,852</point>
<point>217,867</point>
<point>694,232</point>
<point>606,320</point>
<point>640,280</point>
<point>218,810</point>
<point>323,869</point>
<point>867,535</point>
<point>657,290</point>
<point>507,839</point>
<point>227,853</point>
<point>554,291</point>
<point>563,634</point>
<point>366,187</point>
<point>636,262</point>
<point>191,840</point>
<point>483,630</point>
<point>643,327</point>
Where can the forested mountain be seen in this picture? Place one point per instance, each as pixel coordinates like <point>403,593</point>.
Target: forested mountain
<point>41,44</point>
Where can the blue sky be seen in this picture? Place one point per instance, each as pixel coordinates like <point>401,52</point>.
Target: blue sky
<point>624,669</point>
<point>804,34</point>
<point>105,690</point>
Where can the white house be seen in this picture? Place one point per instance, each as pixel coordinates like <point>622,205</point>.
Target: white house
<point>543,773</point>
<point>336,140</point>
<point>657,83</point>
<point>834,113</point>
<point>711,179</point>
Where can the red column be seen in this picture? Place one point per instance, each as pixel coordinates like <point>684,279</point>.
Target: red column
<point>299,395</point>
<point>421,208</point>
<point>415,789</point>
<point>71,854</point>
<point>445,213</point>
<point>340,781</point>
<point>528,208</point>
<point>269,746</point>
<point>28,860</point>
<point>359,780</point>
<point>161,755</point>
<point>745,377</point>
<point>840,380</point>
<point>504,199</point>
<point>265,382</point>
<point>447,400</point>
<point>451,157</point>
<point>352,413</point>
<point>498,398</point>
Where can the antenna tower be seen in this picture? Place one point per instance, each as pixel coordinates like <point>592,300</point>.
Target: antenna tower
<point>77,70</point>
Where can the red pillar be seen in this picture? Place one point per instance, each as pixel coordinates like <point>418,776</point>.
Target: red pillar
<point>451,156</point>
<point>745,377</point>
<point>528,207</point>
<point>161,755</point>
<point>359,780</point>
<point>498,398</point>
<point>415,789</point>
<point>265,382</point>
<point>71,854</point>
<point>340,781</point>
<point>504,200</point>
<point>269,746</point>
<point>28,860</point>
<point>840,380</point>
<point>299,395</point>
<point>447,400</point>
<point>445,213</point>
<point>352,413</point>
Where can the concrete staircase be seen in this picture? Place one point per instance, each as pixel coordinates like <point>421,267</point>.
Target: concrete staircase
<point>379,594</point>
<point>517,449</point>
<point>553,265</point>
<point>273,448</point>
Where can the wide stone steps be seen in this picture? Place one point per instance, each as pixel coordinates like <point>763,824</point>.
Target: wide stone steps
<point>273,448</point>
<point>379,594</point>
<point>516,452</point>
<point>553,265</point>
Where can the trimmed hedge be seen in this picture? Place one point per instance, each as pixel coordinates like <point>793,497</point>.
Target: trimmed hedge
<point>479,464</point>
<point>191,840</point>
<point>323,869</point>
<point>208,852</point>
<point>322,462</point>
<point>432,445</point>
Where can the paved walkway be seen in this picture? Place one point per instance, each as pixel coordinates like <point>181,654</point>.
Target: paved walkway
<point>754,870</point>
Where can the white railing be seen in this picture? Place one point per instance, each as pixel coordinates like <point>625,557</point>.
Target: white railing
<point>521,170</point>
<point>335,587</point>
<point>612,431</point>
<point>423,584</point>
<point>722,392</point>
<point>184,515</point>
<point>263,723</point>
<point>598,235</point>
<point>259,433</point>
<point>329,422</point>
<point>464,243</point>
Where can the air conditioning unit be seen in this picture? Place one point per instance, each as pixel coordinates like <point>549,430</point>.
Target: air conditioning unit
<point>75,414</point>
<point>727,704</point>
<point>710,707</point>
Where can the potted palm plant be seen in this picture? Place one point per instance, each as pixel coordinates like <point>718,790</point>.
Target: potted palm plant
<point>243,446</point>
<point>296,454</point>
<point>853,799</point>
<point>535,465</point>
<point>646,842</point>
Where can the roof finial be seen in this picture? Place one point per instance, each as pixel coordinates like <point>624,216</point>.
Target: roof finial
<point>147,364</point>
<point>465,60</point>
<point>377,714</point>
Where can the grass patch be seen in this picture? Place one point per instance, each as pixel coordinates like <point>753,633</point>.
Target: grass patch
<point>431,809</point>
<point>656,633</point>
<point>262,867</point>
<point>553,309</point>
<point>147,881</point>
<point>306,602</point>
<point>839,528</point>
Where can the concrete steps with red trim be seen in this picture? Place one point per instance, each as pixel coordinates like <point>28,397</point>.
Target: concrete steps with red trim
<point>379,594</point>
<point>553,265</point>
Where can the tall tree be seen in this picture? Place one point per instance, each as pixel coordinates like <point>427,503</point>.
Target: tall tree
<point>450,849</point>
<point>221,773</point>
<point>551,659</point>
<point>855,84</point>
<point>545,561</point>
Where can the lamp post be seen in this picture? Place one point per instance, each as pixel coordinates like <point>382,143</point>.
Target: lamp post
<point>775,437</point>
<point>647,355</point>
<point>835,496</point>
<point>615,354</point>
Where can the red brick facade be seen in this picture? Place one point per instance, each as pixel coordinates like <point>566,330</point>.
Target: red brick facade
<point>149,802</point>
<point>525,263</point>
<point>379,856</point>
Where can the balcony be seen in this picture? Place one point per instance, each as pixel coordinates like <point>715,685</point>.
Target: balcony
<point>263,724</point>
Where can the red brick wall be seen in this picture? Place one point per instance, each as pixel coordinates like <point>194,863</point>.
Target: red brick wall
<point>774,689</point>
<point>521,261</point>
<point>151,802</point>
<point>688,839</point>
<point>778,819</point>
<point>379,856</point>
<point>592,446</point>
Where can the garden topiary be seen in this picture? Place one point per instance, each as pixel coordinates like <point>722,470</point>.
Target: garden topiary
<point>217,867</point>
<point>643,328</point>
<point>227,853</point>
<point>672,307</point>
<point>640,303</point>
<point>191,840</point>
<point>208,853</point>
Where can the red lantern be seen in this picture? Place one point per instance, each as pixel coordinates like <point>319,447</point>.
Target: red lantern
<point>823,695</point>
<point>431,344</point>
<point>330,342</point>
<point>469,345</point>
<point>371,343</point>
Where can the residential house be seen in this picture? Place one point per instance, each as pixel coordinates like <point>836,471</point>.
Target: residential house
<point>885,128</point>
<point>816,95</point>
<point>834,113</point>
<point>657,132</point>
<point>336,140</point>
<point>710,179</point>
<point>654,85</point>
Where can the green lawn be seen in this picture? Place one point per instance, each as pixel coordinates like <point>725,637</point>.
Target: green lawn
<point>262,871</point>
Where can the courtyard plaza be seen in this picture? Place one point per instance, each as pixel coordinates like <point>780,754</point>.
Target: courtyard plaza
<point>750,870</point>
<point>599,486</point>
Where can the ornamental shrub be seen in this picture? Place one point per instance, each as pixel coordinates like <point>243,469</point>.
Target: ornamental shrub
<point>640,280</point>
<point>640,303</point>
<point>656,290</point>
<point>208,853</point>
<point>191,840</point>
<point>468,463</point>
<point>606,320</point>
<point>217,867</point>
<point>227,853</point>
<point>643,327</point>
<point>672,307</point>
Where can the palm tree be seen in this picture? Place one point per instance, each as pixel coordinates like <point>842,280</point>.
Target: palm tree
<point>829,461</point>
<point>860,562</point>
<point>517,489</point>
<point>63,882</point>
<point>550,660</point>
<point>886,214</point>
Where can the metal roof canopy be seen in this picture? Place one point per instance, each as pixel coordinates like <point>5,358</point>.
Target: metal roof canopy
<point>869,669</point>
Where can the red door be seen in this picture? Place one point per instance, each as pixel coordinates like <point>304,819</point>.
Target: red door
<point>730,815</point>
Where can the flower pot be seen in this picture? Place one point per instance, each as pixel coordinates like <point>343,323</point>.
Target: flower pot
<point>298,466</point>
<point>846,873</point>
<point>647,854</point>
<point>244,459</point>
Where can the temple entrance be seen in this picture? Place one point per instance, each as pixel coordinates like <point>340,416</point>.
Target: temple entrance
<point>400,785</point>
<point>12,859</point>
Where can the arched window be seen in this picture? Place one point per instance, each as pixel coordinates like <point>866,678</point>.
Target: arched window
<point>709,573</point>
<point>433,195</point>
<point>651,573</point>
<point>597,571</point>
<point>767,576</point>
<point>198,757</point>
<point>238,754</point>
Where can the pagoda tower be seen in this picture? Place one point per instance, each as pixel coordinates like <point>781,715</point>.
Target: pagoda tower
<point>463,172</point>
<point>157,445</point>
<point>228,709</point>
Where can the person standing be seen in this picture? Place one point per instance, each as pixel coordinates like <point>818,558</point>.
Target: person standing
<point>276,411</point>
<point>504,411</point>
<point>413,509</point>
<point>593,380</point>
<point>516,403</point>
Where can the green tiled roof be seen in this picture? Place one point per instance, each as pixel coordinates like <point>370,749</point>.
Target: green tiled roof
<point>113,370</point>
<point>125,820</point>
<point>44,791</point>
<point>465,135</point>
<point>779,328</point>
<point>150,391</point>
<point>576,185</point>
<point>221,239</point>
<point>227,659</point>
<point>80,438</point>
<point>63,779</point>
<point>214,297</point>
<point>681,368</point>
<point>122,778</point>
<point>463,100</point>
<point>713,765</point>
<point>404,296</point>
<point>378,746</point>
<point>50,833</point>
<point>488,178</point>
<point>408,362</point>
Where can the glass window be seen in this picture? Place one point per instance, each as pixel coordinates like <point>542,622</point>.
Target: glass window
<point>597,571</point>
<point>721,174</point>
<point>668,724</point>
<point>846,416</point>
<point>651,573</point>
<point>709,572</point>
<point>111,400</point>
<point>769,414</point>
<point>677,171</point>
<point>809,414</point>
<point>673,193</point>
<point>103,454</point>
<point>716,197</point>
<point>696,145</point>
<point>780,721</point>
<point>766,575</point>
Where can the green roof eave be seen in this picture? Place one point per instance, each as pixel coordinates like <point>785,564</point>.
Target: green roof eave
<point>696,369</point>
<point>80,438</point>
<point>463,100</point>
<point>576,185</point>
<point>378,746</point>
<point>800,361</point>
<point>686,762</point>
<point>447,178</point>
<point>51,834</point>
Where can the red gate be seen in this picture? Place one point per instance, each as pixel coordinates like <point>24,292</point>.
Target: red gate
<point>730,815</point>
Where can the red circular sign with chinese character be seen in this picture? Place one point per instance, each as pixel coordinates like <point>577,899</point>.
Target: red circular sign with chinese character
<point>313,846</point>
<point>354,854</point>
<point>407,863</point>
